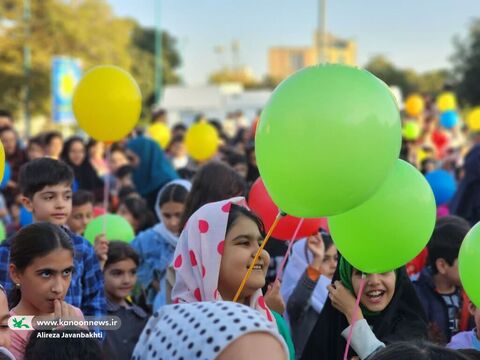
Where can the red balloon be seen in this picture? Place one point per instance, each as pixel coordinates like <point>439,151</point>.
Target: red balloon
<point>440,139</point>
<point>261,204</point>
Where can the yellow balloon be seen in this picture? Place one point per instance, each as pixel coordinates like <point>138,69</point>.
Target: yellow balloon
<point>414,105</point>
<point>446,101</point>
<point>202,141</point>
<point>160,133</point>
<point>2,161</point>
<point>107,103</point>
<point>473,119</point>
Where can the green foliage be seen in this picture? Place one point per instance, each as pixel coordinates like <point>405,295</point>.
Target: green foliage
<point>408,80</point>
<point>84,29</point>
<point>466,60</point>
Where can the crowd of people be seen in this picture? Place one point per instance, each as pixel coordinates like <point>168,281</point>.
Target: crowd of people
<point>173,286</point>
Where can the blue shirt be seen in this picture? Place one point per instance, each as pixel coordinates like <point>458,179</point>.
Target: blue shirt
<point>86,289</point>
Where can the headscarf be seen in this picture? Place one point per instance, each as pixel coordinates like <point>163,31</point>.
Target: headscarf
<point>199,253</point>
<point>296,266</point>
<point>160,228</point>
<point>199,330</point>
<point>403,319</point>
<point>154,169</point>
<point>85,174</point>
<point>466,202</point>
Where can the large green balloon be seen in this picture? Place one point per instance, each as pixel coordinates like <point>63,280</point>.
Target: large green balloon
<point>327,139</point>
<point>391,227</point>
<point>117,228</point>
<point>469,265</point>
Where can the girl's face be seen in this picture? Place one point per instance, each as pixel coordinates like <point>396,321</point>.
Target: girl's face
<point>97,150</point>
<point>117,160</point>
<point>80,218</point>
<point>9,141</point>
<point>120,278</point>
<point>35,151</point>
<point>54,149</point>
<point>4,315</point>
<point>330,261</point>
<point>241,244</point>
<point>171,215</point>
<point>76,154</point>
<point>127,215</point>
<point>46,279</point>
<point>379,289</point>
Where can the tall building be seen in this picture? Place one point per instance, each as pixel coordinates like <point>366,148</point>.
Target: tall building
<point>284,60</point>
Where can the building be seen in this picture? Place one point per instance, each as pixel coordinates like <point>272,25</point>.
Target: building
<point>283,61</point>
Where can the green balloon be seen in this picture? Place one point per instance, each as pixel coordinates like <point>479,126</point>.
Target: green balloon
<point>116,228</point>
<point>411,130</point>
<point>390,228</point>
<point>468,264</point>
<point>3,233</point>
<point>327,139</point>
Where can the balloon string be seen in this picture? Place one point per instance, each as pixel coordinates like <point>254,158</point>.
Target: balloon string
<point>354,318</point>
<point>257,255</point>
<point>287,254</point>
<point>106,191</point>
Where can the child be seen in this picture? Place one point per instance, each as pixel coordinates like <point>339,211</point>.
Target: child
<point>53,142</point>
<point>309,271</point>
<point>35,148</point>
<point>468,339</point>
<point>120,274</point>
<point>214,253</point>
<point>420,350</point>
<point>66,346</point>
<point>219,330</point>
<point>41,266</point>
<point>390,311</point>
<point>46,187</point>
<point>82,211</point>
<point>135,210</point>
<point>438,286</point>
<point>157,245</point>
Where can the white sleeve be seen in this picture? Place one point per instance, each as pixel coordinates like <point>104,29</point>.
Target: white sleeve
<point>364,341</point>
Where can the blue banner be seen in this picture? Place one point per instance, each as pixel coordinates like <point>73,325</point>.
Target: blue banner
<point>66,74</point>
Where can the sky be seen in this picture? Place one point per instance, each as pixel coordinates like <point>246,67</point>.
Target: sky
<point>416,34</point>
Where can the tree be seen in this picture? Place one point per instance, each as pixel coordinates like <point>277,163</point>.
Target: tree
<point>466,61</point>
<point>84,29</point>
<point>408,80</point>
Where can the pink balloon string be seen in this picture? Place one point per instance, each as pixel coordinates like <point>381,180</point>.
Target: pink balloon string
<point>287,254</point>
<point>106,191</point>
<point>354,318</point>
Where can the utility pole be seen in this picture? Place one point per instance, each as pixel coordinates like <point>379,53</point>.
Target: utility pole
<point>26,65</point>
<point>322,40</point>
<point>158,53</point>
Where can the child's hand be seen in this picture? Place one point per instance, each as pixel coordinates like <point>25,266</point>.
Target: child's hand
<point>65,311</point>
<point>274,299</point>
<point>317,247</point>
<point>343,300</point>
<point>101,249</point>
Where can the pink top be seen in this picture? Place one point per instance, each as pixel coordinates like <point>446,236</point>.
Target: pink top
<point>19,338</point>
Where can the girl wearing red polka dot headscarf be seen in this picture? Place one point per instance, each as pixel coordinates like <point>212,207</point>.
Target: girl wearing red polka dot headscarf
<point>213,254</point>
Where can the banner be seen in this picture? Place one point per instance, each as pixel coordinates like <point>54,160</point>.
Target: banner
<point>66,73</point>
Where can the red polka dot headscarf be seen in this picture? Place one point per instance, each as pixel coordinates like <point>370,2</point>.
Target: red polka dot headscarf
<point>199,253</point>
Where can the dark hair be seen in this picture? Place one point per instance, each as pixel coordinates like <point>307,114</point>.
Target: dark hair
<point>158,114</point>
<point>59,348</point>
<point>227,183</point>
<point>82,197</point>
<point>237,211</point>
<point>6,113</point>
<point>37,140</point>
<point>68,144</point>
<point>179,126</point>
<point>175,193</point>
<point>126,192</point>
<point>118,251</point>
<point>446,240</point>
<point>471,354</point>
<point>49,136</point>
<point>33,241</point>
<point>8,128</point>
<point>235,158</point>
<point>138,207</point>
<point>38,173</point>
<point>420,350</point>
<point>177,138</point>
<point>124,171</point>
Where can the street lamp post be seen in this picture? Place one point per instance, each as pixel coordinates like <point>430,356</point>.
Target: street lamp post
<point>158,53</point>
<point>26,65</point>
